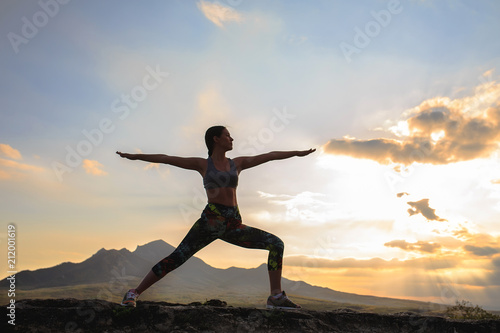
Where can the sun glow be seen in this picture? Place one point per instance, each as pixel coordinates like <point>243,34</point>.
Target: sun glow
<point>367,191</point>
<point>401,129</point>
<point>360,187</point>
<point>436,136</point>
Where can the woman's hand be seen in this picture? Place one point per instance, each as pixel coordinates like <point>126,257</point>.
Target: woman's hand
<point>305,152</point>
<point>127,155</point>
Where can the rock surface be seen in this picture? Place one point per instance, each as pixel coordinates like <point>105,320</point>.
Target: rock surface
<point>72,315</point>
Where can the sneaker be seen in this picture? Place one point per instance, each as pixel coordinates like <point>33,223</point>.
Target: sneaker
<point>281,302</point>
<point>130,298</point>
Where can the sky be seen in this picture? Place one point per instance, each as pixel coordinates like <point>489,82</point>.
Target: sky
<point>400,99</point>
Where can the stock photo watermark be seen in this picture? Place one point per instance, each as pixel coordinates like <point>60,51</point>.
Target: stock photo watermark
<point>121,107</point>
<point>363,36</point>
<point>256,143</point>
<point>31,26</point>
<point>11,270</point>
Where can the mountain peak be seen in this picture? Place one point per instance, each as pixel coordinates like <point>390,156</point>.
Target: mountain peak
<point>154,251</point>
<point>155,243</point>
<point>103,250</point>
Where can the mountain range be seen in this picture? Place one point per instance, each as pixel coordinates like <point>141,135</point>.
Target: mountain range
<point>108,274</point>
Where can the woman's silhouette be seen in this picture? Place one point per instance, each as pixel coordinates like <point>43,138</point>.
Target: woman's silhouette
<point>221,218</point>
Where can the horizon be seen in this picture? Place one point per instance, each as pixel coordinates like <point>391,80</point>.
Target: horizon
<point>125,275</point>
<point>195,256</point>
<point>400,98</point>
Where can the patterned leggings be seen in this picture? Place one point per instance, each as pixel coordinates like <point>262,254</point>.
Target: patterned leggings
<point>222,222</point>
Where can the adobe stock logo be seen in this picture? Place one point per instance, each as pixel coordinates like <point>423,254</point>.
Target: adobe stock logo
<point>363,38</point>
<point>30,28</point>
<point>120,108</point>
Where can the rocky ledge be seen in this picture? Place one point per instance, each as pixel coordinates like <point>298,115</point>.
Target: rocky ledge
<point>72,315</point>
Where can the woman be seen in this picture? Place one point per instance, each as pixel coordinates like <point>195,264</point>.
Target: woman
<point>221,218</point>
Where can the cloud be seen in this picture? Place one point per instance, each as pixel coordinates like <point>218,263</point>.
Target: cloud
<point>218,13</point>
<point>422,207</point>
<point>306,207</point>
<point>463,233</point>
<point>438,131</point>
<point>419,246</point>
<point>482,251</point>
<point>10,169</point>
<point>93,168</point>
<point>8,151</point>
<point>13,169</point>
<point>479,244</point>
<point>476,238</point>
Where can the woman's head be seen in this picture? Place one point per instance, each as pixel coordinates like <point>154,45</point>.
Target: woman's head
<point>214,131</point>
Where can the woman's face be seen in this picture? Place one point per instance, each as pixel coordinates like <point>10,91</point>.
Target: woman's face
<point>225,140</point>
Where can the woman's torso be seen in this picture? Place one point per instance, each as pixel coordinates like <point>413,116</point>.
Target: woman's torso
<point>219,181</point>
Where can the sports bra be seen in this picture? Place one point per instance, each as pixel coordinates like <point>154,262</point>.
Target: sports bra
<point>216,179</point>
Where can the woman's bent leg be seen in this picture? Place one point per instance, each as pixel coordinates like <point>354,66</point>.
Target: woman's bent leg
<point>254,238</point>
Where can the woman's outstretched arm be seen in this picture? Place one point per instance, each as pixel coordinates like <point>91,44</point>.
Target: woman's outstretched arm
<point>190,163</point>
<point>246,162</point>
